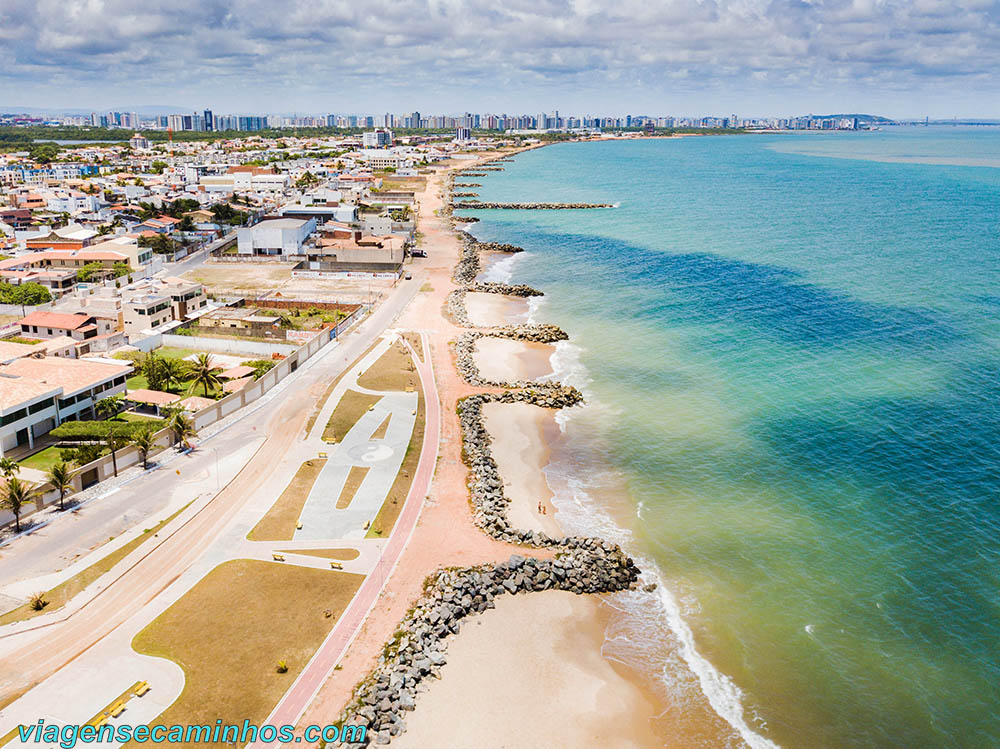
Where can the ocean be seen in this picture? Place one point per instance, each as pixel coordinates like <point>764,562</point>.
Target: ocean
<point>790,349</point>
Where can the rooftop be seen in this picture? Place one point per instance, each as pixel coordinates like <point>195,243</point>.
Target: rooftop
<point>72,375</point>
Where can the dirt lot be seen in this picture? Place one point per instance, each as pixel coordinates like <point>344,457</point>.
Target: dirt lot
<point>256,279</point>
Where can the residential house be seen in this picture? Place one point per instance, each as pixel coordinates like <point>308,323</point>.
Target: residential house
<point>38,394</point>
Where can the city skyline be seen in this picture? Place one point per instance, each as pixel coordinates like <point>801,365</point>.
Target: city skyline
<point>761,58</point>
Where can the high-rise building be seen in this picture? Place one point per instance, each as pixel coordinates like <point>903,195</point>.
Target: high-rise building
<point>415,120</point>
<point>380,138</point>
<point>463,134</point>
<point>209,120</point>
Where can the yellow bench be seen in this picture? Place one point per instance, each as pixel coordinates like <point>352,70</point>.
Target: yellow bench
<point>336,565</point>
<point>298,525</point>
<point>142,688</point>
<point>117,709</point>
<point>277,557</point>
<point>98,720</point>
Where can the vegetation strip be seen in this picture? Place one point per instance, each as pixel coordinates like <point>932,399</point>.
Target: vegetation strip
<point>278,524</point>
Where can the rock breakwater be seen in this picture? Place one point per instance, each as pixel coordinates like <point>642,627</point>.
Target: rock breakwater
<point>473,205</point>
<point>419,647</point>
<point>465,349</point>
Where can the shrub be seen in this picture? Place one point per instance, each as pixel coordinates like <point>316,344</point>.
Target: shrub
<point>37,601</point>
<point>282,667</point>
<point>85,431</point>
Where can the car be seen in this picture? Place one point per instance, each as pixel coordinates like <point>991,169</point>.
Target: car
<point>419,253</point>
<point>408,275</point>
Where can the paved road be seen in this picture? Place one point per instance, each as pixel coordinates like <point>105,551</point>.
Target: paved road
<point>302,692</point>
<point>29,659</point>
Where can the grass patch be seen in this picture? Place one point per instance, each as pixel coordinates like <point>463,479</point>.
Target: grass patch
<point>351,407</point>
<point>44,459</point>
<point>329,389</point>
<point>394,370</point>
<point>345,555</point>
<point>279,522</point>
<point>60,595</point>
<point>379,434</point>
<point>231,629</point>
<point>393,505</point>
<point>354,478</point>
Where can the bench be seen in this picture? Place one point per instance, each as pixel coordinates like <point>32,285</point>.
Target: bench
<point>277,557</point>
<point>118,708</point>
<point>141,688</point>
<point>336,565</point>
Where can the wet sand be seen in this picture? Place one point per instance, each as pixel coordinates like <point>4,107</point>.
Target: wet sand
<point>504,360</point>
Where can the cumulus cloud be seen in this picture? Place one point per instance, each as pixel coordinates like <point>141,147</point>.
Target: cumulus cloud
<point>603,54</point>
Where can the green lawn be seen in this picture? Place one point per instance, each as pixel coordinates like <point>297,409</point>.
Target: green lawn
<point>42,461</point>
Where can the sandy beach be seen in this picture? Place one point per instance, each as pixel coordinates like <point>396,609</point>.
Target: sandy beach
<point>530,674</point>
<point>520,450</point>
<point>486,310</point>
<point>551,685</point>
<point>504,360</point>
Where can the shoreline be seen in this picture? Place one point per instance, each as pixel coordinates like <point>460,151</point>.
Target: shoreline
<point>447,536</point>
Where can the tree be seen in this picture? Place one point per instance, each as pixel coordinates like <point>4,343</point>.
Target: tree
<point>144,442</point>
<point>186,224</point>
<point>110,406</point>
<point>113,440</point>
<point>61,477</point>
<point>180,424</point>
<point>172,372</point>
<point>9,466</point>
<point>203,372</point>
<point>153,371</point>
<point>308,179</point>
<point>15,496</point>
<point>158,166</point>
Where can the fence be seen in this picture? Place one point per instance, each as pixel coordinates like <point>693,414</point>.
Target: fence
<point>102,468</point>
<point>229,345</point>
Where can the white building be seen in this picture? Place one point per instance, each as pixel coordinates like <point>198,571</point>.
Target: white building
<point>377,139</point>
<point>38,394</point>
<point>280,236</point>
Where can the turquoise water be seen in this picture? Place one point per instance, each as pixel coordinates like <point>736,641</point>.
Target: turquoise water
<point>792,364</point>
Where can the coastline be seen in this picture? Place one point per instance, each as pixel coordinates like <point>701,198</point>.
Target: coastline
<point>447,536</point>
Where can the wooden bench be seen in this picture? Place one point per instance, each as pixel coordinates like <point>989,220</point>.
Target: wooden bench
<point>277,557</point>
<point>118,708</point>
<point>141,688</point>
<point>336,565</point>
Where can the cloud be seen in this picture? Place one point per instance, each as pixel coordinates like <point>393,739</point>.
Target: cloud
<point>325,54</point>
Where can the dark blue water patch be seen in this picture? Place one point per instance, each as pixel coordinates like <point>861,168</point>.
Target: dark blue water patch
<point>931,450</point>
<point>777,302</point>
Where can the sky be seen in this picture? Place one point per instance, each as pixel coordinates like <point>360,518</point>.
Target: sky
<point>605,57</point>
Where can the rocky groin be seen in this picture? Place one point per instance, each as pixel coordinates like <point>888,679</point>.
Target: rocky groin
<point>465,349</point>
<point>470,174</point>
<point>475,205</point>
<point>465,195</point>
<point>466,184</point>
<point>419,647</point>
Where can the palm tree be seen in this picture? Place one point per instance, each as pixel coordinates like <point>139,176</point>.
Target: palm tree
<point>181,425</point>
<point>9,466</point>
<point>171,372</point>
<point>61,477</point>
<point>144,442</point>
<point>110,406</point>
<point>15,496</point>
<point>202,372</point>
